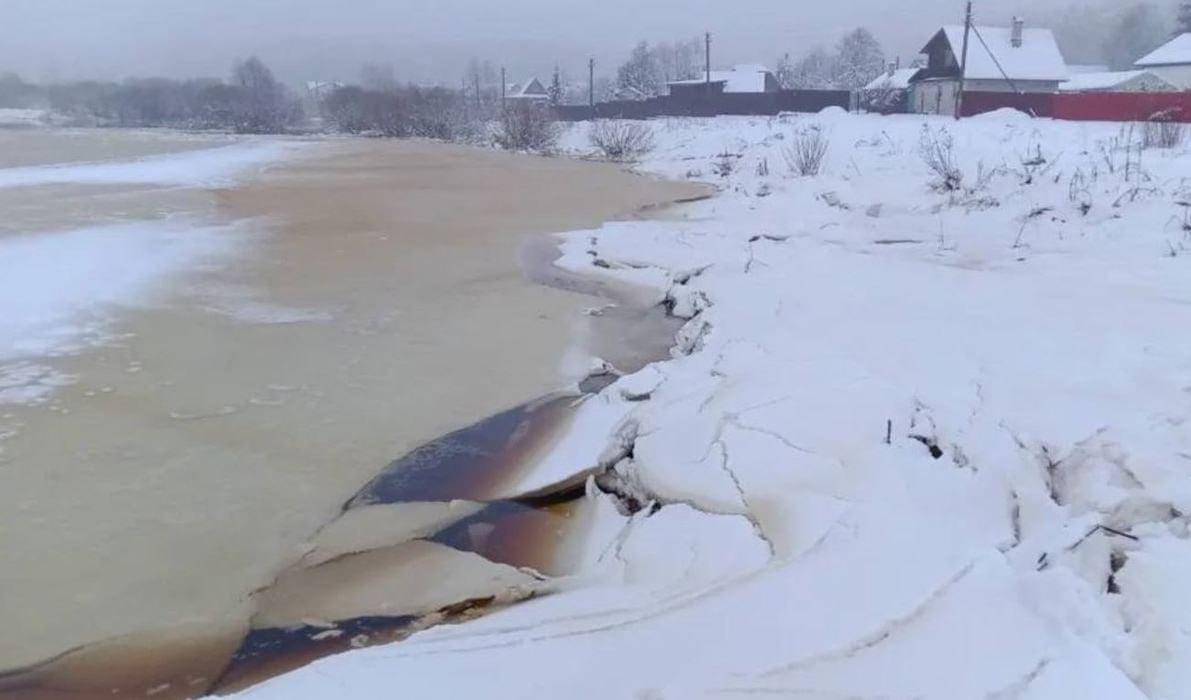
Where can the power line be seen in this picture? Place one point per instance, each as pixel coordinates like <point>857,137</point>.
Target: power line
<point>993,56</point>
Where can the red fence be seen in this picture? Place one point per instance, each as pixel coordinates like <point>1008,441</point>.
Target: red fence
<point>1039,104</point>
<point>1123,106</point>
<point>1086,106</point>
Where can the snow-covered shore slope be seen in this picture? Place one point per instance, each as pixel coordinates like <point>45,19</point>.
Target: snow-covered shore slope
<point>913,443</point>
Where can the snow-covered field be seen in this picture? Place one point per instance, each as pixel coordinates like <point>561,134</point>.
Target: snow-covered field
<point>912,443</point>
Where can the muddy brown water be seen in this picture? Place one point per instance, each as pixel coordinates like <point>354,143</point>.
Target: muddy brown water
<point>272,428</point>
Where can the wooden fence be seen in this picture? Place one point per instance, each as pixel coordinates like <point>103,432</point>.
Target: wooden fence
<point>747,104</point>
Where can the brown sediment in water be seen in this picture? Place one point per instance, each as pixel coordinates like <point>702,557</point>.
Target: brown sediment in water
<point>172,666</point>
<point>315,407</point>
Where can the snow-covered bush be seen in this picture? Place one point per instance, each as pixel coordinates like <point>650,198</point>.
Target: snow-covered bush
<point>619,139</point>
<point>527,127</point>
<point>806,151</point>
<point>1162,132</point>
<point>937,149</point>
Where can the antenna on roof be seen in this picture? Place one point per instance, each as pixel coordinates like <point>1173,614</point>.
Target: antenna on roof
<point>963,65</point>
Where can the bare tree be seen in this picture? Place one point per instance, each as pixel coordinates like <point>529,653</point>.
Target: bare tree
<point>785,72</point>
<point>681,60</point>
<point>1139,29</point>
<point>641,72</point>
<point>814,72</point>
<point>859,60</point>
<point>266,106</point>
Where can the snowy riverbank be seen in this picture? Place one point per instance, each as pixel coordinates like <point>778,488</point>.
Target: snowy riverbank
<point>912,444</point>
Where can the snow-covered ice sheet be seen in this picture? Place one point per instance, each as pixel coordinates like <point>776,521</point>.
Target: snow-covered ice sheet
<point>209,167</point>
<point>913,443</point>
<point>58,288</point>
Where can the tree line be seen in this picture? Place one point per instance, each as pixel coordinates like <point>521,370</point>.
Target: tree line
<point>855,61</point>
<point>252,101</point>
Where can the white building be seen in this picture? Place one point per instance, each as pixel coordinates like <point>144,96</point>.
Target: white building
<point>1171,62</point>
<point>741,79</point>
<point>1119,81</point>
<point>1000,59</point>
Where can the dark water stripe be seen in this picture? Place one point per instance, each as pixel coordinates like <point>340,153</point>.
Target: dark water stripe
<point>470,464</point>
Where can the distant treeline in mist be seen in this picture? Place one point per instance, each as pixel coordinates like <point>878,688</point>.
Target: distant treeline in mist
<point>252,102</point>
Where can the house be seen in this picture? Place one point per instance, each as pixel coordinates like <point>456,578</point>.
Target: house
<point>1119,81</point>
<point>1171,62</point>
<point>629,94</point>
<point>318,89</point>
<point>889,92</point>
<point>742,79</point>
<point>532,90</point>
<point>1000,59</point>
<point>893,79</point>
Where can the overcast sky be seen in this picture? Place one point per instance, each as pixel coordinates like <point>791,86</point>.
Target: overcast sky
<point>431,40</point>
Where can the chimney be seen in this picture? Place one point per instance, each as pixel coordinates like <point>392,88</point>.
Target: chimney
<point>1019,28</point>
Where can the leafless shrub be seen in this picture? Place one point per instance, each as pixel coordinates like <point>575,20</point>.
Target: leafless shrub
<point>1079,190</point>
<point>725,164</point>
<point>1123,152</point>
<point>763,168</point>
<point>527,127</point>
<point>1034,214</point>
<point>937,150</point>
<point>1161,131</point>
<point>1034,164</point>
<point>807,150</point>
<point>618,139</point>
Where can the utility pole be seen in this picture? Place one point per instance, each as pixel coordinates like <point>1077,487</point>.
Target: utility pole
<point>591,83</point>
<point>503,88</point>
<point>707,61</point>
<point>963,64</point>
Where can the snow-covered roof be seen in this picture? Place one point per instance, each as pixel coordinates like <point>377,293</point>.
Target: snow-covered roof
<point>1104,81</point>
<point>1038,57</point>
<point>532,88</point>
<point>1076,69</point>
<point>1176,52</point>
<point>897,80</point>
<point>742,78</point>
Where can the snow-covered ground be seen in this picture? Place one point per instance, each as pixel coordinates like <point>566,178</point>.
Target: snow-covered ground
<point>913,443</point>
<point>208,167</point>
